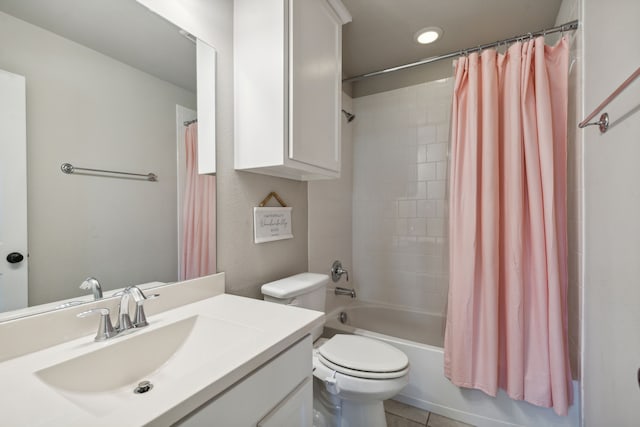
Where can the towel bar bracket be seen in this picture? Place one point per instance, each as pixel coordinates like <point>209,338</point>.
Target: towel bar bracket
<point>602,123</point>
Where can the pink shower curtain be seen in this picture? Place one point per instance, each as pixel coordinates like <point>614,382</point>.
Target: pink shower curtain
<point>199,215</point>
<point>507,310</point>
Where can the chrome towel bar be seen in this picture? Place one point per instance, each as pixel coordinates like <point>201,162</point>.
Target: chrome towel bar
<point>603,123</point>
<point>68,168</point>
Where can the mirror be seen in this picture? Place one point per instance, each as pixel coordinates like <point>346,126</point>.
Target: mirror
<point>108,86</point>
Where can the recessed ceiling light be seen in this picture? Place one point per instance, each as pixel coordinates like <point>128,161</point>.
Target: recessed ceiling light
<point>428,35</point>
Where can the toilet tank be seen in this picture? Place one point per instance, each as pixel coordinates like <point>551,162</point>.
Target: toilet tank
<point>306,290</point>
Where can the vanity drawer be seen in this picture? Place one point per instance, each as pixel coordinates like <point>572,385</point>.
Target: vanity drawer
<point>279,389</point>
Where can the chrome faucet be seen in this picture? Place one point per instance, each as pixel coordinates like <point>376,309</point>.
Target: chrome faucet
<point>139,319</point>
<point>92,284</point>
<point>337,271</point>
<point>106,330</point>
<point>345,291</point>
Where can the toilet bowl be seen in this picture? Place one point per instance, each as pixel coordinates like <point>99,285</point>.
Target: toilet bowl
<point>352,374</point>
<point>360,373</point>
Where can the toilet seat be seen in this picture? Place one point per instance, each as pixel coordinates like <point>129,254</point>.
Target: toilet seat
<point>363,357</point>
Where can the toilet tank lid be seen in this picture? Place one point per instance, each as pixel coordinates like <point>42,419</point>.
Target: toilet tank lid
<point>293,286</point>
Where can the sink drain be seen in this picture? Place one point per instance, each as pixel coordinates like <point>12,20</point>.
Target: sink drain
<point>143,387</point>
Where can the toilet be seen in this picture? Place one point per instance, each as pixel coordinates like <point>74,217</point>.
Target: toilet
<point>353,375</point>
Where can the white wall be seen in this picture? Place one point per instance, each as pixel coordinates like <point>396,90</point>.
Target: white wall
<point>92,111</point>
<point>400,243</point>
<point>330,215</point>
<point>611,346</point>
<point>247,265</point>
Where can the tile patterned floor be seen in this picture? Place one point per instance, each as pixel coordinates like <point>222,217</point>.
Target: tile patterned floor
<point>402,415</point>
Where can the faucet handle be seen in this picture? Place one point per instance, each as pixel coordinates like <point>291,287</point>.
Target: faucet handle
<point>138,295</point>
<point>337,271</point>
<point>140,319</point>
<point>105,328</point>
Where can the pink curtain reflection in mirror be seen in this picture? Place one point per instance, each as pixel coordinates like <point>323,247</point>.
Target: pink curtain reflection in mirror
<point>199,215</point>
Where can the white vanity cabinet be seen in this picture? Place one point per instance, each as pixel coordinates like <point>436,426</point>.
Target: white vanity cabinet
<point>288,70</point>
<point>278,394</point>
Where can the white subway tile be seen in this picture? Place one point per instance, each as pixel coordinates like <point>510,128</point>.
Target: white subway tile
<point>417,226</point>
<point>443,132</point>
<point>426,171</point>
<point>435,227</point>
<point>402,226</point>
<point>421,153</point>
<point>421,190</point>
<point>436,190</point>
<point>427,134</point>
<point>407,208</point>
<point>441,170</point>
<point>437,152</point>
<point>426,208</point>
<point>400,248</point>
<point>437,115</point>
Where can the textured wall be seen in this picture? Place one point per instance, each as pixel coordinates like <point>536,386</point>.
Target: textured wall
<point>247,265</point>
<point>330,216</point>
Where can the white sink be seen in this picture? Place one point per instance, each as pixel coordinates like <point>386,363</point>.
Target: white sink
<point>101,380</point>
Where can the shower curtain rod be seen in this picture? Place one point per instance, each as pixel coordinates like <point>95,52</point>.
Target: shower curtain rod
<point>572,25</point>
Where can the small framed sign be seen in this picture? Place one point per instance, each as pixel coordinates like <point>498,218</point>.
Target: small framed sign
<point>271,224</point>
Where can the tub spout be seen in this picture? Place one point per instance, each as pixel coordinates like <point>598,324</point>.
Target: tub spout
<point>345,291</point>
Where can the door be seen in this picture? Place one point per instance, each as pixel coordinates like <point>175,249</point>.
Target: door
<point>13,192</point>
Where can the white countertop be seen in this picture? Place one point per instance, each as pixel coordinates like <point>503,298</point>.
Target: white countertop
<point>27,401</point>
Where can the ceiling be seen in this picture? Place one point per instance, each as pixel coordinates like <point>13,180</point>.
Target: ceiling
<point>381,33</point>
<point>121,29</point>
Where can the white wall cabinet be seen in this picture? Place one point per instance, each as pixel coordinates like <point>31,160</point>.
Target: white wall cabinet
<point>280,393</point>
<point>288,70</point>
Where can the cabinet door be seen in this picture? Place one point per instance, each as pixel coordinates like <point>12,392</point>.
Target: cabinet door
<point>296,410</point>
<point>315,63</point>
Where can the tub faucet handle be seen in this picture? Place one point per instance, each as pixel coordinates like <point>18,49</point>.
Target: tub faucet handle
<point>337,271</point>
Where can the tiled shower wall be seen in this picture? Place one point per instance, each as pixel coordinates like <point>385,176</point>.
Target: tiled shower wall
<point>400,244</point>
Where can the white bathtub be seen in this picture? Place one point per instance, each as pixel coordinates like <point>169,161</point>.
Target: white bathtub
<point>420,337</point>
